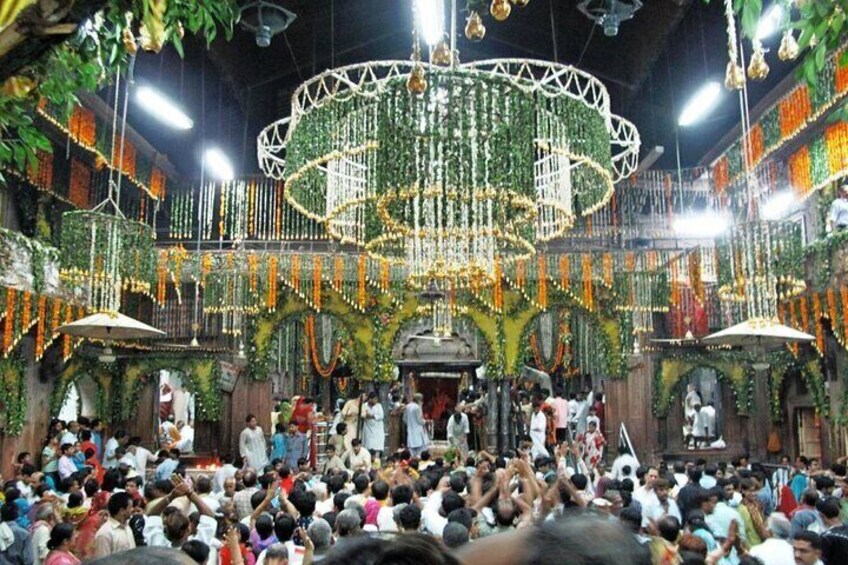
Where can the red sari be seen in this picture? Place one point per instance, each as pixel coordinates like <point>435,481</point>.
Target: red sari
<point>303,415</point>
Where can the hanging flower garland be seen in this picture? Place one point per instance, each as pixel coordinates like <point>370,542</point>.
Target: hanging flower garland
<point>361,267</point>
<point>9,325</point>
<point>317,266</point>
<point>271,298</point>
<point>313,349</point>
<point>39,330</point>
<point>588,288</point>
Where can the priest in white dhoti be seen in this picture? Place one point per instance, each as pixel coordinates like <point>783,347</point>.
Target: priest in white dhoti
<point>457,433</point>
<point>692,398</point>
<point>417,439</point>
<point>252,445</point>
<point>538,430</point>
<point>373,427</point>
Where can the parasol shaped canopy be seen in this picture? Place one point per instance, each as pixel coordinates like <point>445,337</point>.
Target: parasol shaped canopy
<point>109,326</point>
<point>760,333</point>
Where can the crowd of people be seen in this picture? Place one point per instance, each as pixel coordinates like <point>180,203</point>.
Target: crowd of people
<point>104,498</point>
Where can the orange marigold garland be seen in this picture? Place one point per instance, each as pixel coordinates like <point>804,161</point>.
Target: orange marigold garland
<point>83,126</point>
<point>800,172</point>
<point>831,309</point>
<point>162,273</point>
<point>384,274</point>
<point>794,111</point>
<point>26,312</point>
<point>317,267</point>
<point>360,281</point>
<point>295,272</point>
<point>817,312</point>
<point>39,328</point>
<point>313,348</point>
<point>721,176</point>
<point>252,271</point>
<point>564,274</point>
<point>588,287</point>
<point>843,294</point>
<point>543,282</point>
<point>79,191</point>
<point>158,183</point>
<point>338,273</point>
<point>836,142</point>
<point>608,270</point>
<point>271,298</point>
<point>66,339</point>
<point>9,327</point>
<point>537,355</point>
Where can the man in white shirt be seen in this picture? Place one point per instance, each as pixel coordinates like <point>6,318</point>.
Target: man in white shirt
<point>400,495</point>
<point>45,519</point>
<point>837,218</point>
<point>661,505</point>
<point>357,459</point>
<point>66,462</point>
<point>174,529</point>
<point>71,434</point>
<point>443,501</point>
<point>109,459</point>
<point>644,494</point>
<point>538,431</point>
<point>226,471</point>
<point>142,455</point>
<point>252,445</point>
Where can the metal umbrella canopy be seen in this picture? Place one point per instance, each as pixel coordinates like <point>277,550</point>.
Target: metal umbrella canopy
<point>764,334</point>
<point>110,326</point>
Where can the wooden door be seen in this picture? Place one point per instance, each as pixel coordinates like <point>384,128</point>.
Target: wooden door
<point>809,433</point>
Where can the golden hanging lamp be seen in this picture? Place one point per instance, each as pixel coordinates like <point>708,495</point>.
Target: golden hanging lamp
<point>758,69</point>
<point>474,28</point>
<point>441,55</point>
<point>500,9</point>
<point>789,48</point>
<point>417,82</point>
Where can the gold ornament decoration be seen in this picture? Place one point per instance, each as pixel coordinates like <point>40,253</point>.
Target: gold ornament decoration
<point>474,28</point>
<point>500,9</point>
<point>758,69</point>
<point>441,55</point>
<point>734,78</point>
<point>789,48</point>
<point>520,3</point>
<point>128,39</point>
<point>417,83</point>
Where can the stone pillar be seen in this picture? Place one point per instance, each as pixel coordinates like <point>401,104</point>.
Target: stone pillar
<point>759,419</point>
<point>506,435</point>
<point>492,404</point>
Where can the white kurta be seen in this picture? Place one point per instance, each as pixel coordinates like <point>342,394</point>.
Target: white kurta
<point>252,447</point>
<point>373,429</point>
<point>416,434</point>
<point>457,433</point>
<point>538,429</point>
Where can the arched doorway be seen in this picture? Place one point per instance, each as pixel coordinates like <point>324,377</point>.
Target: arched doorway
<point>80,399</point>
<point>443,370</point>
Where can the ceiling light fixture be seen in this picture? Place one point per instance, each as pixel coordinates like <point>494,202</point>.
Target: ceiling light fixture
<point>160,107</point>
<point>704,225</point>
<point>431,20</point>
<point>702,103</point>
<point>218,164</point>
<point>609,13</point>
<point>770,22</point>
<point>265,19</point>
